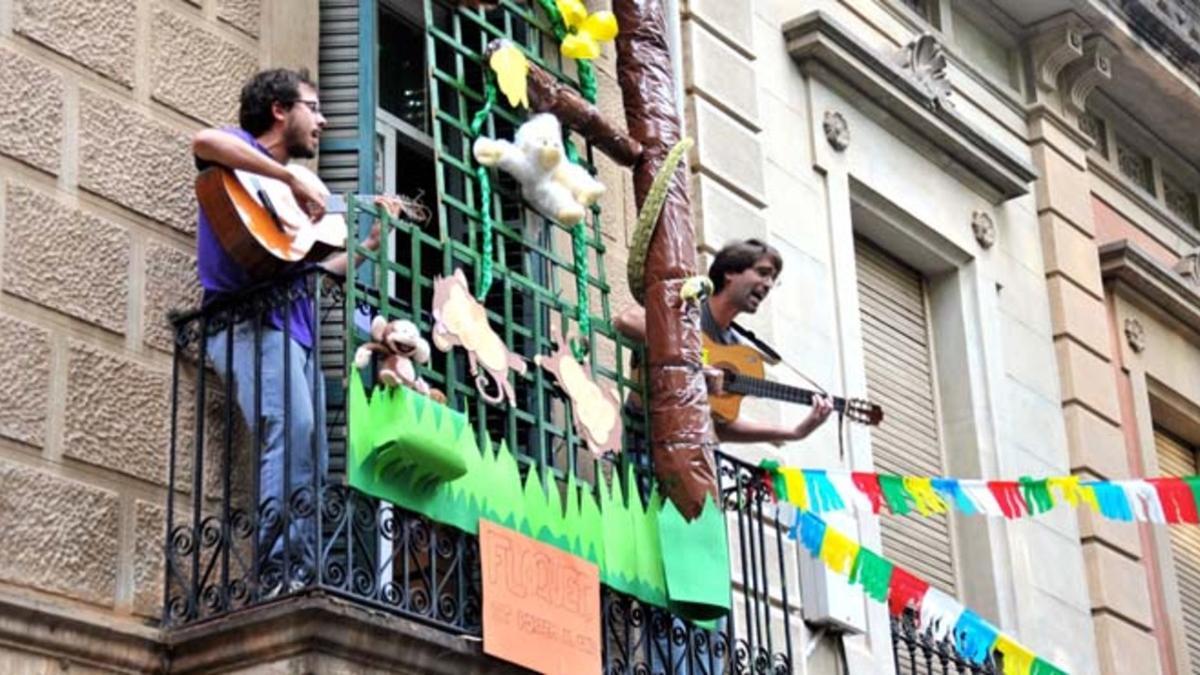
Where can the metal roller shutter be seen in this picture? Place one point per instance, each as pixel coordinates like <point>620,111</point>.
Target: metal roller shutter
<point>898,353</point>
<point>1178,459</point>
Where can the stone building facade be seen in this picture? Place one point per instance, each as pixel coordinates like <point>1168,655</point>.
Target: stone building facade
<point>1013,184</point>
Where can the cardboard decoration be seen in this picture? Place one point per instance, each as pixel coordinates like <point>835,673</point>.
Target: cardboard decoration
<point>541,606</point>
<point>408,433</point>
<point>643,549</point>
<point>459,320</point>
<point>597,409</point>
<point>512,73</point>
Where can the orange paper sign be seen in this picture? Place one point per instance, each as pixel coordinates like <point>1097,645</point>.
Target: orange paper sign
<point>541,606</point>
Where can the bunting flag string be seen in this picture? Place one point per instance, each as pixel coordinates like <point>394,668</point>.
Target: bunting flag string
<point>941,615</point>
<point>1166,500</point>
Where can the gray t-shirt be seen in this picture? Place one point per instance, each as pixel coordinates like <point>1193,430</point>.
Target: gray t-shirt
<point>708,325</point>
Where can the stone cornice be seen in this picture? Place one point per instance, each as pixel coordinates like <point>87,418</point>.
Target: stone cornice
<point>1082,76</point>
<point>1124,263</point>
<point>1112,176</point>
<point>332,626</point>
<point>82,637</point>
<point>816,39</point>
<point>1057,42</point>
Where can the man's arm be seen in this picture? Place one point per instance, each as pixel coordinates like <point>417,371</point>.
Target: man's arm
<point>632,323</point>
<point>338,263</point>
<point>214,146</point>
<point>748,431</point>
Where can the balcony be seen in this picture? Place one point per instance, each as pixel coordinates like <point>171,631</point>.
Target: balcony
<point>234,546</point>
<point>248,555</point>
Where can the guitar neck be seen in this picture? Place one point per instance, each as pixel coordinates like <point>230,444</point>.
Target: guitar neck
<point>745,385</point>
<point>336,203</point>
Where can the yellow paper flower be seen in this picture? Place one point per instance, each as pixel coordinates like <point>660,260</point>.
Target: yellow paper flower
<point>512,71</point>
<point>587,30</point>
<point>573,12</point>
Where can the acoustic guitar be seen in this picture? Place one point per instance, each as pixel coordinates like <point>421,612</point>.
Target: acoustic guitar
<point>743,367</point>
<point>259,223</point>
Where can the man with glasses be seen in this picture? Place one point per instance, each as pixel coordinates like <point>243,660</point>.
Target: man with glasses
<point>743,273</point>
<point>279,120</point>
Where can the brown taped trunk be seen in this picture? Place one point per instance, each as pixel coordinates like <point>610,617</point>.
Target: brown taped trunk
<point>681,429</point>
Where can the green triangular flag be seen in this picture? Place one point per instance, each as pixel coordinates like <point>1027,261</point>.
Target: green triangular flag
<point>873,573</point>
<point>894,493</point>
<point>1041,667</point>
<point>1037,495</point>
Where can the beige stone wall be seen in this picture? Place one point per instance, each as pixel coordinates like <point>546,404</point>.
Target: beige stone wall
<point>1109,390</point>
<point>97,219</point>
<point>763,167</point>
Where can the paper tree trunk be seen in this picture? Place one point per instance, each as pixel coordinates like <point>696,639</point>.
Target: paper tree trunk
<point>681,429</point>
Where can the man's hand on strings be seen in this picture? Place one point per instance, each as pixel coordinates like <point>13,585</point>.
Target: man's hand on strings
<point>308,197</point>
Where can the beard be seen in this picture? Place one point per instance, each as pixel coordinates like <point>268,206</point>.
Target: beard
<point>299,145</point>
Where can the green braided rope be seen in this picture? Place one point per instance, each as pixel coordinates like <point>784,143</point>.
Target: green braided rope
<point>635,270</point>
<point>485,190</point>
<point>587,76</point>
<point>579,249</point>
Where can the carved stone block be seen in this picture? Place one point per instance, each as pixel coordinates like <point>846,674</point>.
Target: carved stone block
<point>837,132</point>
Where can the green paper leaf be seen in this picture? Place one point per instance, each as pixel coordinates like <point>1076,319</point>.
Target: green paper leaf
<point>695,561</point>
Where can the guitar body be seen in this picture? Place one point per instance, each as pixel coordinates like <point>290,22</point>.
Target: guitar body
<point>744,368</point>
<point>741,359</point>
<point>259,223</point>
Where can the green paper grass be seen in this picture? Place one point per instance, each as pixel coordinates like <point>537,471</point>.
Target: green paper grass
<point>409,433</point>
<point>610,526</point>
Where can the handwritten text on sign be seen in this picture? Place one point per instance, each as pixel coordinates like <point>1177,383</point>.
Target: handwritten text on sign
<point>541,606</point>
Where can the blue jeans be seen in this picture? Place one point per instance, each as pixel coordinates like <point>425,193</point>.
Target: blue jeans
<point>286,458</point>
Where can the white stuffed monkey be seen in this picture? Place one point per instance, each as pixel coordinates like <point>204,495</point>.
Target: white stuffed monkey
<point>549,181</point>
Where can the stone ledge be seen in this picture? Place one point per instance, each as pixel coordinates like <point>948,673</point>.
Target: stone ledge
<point>817,39</point>
<point>85,638</point>
<point>330,626</point>
<point>1157,287</point>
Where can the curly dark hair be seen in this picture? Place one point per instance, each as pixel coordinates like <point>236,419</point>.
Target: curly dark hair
<point>263,90</point>
<point>738,256</point>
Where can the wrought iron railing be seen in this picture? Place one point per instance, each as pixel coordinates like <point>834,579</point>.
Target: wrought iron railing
<point>916,653</point>
<point>233,542</point>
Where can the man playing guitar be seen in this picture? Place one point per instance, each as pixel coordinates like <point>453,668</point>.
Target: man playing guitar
<point>280,120</point>
<point>743,273</point>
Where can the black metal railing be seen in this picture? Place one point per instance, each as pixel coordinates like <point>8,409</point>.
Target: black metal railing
<point>915,652</point>
<point>260,510</point>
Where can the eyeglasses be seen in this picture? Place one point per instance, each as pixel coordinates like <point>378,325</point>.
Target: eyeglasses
<point>314,106</point>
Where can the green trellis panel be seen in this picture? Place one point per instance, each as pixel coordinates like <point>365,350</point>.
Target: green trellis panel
<point>533,262</point>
